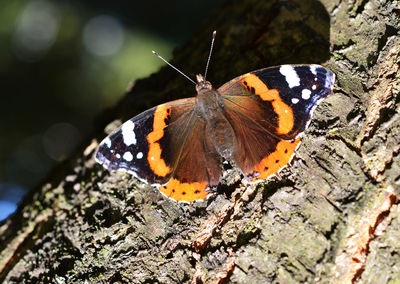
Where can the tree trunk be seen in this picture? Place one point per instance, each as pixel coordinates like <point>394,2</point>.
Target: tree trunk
<point>331,216</point>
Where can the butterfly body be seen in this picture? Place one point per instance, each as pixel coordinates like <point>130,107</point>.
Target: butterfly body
<point>209,107</point>
<point>254,121</point>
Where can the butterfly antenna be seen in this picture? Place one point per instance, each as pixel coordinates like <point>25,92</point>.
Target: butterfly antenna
<point>172,66</point>
<point>209,55</point>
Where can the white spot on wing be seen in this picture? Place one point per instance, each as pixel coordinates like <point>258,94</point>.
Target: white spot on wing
<point>291,76</point>
<point>305,94</point>
<point>295,101</point>
<point>139,155</point>
<point>118,156</point>
<point>107,142</point>
<point>330,80</point>
<point>313,69</point>
<point>128,133</point>
<point>314,87</point>
<point>127,156</point>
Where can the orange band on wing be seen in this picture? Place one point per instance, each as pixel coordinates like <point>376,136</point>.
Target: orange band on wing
<point>184,191</point>
<point>276,160</point>
<point>284,112</point>
<point>157,164</point>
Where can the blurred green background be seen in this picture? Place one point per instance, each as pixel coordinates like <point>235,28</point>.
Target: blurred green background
<point>63,62</point>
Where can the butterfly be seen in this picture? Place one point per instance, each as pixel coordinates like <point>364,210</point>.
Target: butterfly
<point>253,121</point>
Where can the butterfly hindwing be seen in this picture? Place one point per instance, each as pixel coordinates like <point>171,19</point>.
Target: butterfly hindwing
<point>197,165</point>
<point>268,109</point>
<point>258,150</point>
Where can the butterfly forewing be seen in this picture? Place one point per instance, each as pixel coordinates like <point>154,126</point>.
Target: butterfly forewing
<point>135,146</point>
<point>301,90</point>
<point>126,149</point>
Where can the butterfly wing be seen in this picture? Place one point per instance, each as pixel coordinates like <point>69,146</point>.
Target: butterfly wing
<point>268,109</point>
<point>165,146</point>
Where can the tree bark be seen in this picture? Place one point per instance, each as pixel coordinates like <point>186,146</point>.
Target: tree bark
<point>331,216</point>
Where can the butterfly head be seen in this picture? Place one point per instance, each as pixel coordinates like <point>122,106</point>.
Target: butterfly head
<point>202,84</point>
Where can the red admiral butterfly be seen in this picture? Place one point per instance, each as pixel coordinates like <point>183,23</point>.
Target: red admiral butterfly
<point>254,121</point>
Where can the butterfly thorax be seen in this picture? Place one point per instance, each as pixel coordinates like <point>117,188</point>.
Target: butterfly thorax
<point>208,102</point>
<point>209,106</point>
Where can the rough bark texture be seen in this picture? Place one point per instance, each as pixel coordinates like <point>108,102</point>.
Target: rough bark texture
<point>332,216</point>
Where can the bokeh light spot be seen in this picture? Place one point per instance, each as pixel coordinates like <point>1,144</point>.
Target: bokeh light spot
<point>36,30</point>
<point>103,35</point>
